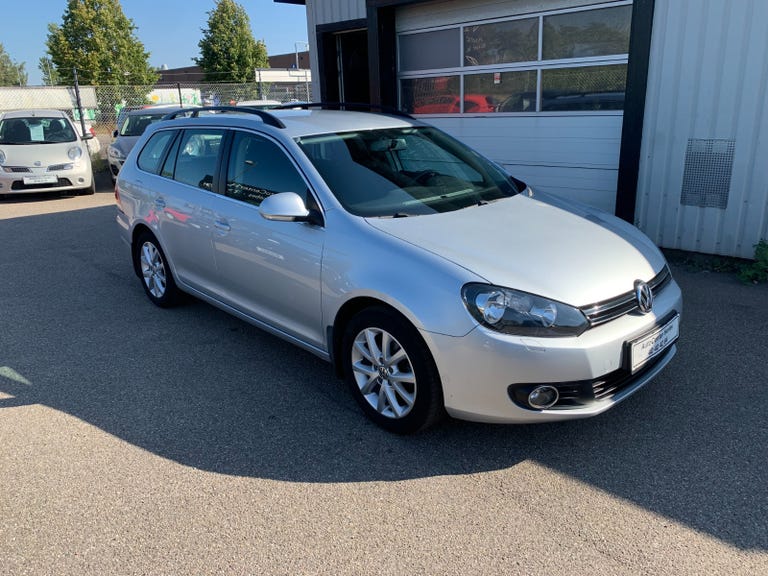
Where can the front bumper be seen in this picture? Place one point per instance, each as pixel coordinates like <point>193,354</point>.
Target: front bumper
<point>481,371</point>
<point>79,177</point>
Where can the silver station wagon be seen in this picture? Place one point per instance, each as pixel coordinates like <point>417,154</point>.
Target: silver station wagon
<point>431,279</point>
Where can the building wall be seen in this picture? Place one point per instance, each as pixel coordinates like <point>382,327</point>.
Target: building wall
<point>705,111</point>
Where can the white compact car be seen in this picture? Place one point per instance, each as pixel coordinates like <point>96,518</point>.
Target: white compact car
<point>433,280</point>
<point>41,151</point>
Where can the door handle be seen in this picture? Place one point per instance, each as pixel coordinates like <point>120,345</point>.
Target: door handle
<point>222,225</point>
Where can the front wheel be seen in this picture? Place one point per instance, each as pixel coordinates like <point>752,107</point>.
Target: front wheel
<point>390,372</point>
<point>156,277</point>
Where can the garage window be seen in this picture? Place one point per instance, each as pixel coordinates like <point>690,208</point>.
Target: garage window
<point>571,60</point>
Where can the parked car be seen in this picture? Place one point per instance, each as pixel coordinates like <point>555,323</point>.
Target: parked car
<point>42,151</point>
<point>132,125</point>
<point>448,104</point>
<point>429,277</point>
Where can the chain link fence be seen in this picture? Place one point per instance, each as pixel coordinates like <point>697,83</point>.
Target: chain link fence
<point>102,104</point>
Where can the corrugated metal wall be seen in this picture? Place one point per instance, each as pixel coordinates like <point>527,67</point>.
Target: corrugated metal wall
<point>705,121</point>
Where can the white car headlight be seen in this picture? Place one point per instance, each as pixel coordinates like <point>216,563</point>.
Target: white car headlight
<point>75,152</point>
<point>514,312</point>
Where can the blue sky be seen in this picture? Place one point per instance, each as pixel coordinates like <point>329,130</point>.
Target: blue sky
<point>169,29</point>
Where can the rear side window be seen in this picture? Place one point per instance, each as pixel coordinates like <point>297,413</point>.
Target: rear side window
<point>198,155</point>
<point>152,154</point>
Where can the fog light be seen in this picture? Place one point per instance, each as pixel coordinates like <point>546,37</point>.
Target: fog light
<point>543,397</point>
<point>81,180</point>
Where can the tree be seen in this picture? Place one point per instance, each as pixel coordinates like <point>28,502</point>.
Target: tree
<point>228,50</point>
<point>11,73</point>
<point>50,76</point>
<point>99,40</point>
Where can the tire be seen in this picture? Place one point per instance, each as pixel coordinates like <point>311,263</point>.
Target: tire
<point>391,372</point>
<point>154,272</point>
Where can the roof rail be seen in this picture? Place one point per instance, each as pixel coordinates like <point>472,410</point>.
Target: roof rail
<point>361,106</point>
<point>266,117</point>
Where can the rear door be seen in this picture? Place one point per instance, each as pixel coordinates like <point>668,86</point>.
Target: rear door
<point>268,270</point>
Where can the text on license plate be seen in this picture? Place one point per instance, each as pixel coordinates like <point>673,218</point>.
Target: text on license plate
<point>653,344</point>
<point>41,179</point>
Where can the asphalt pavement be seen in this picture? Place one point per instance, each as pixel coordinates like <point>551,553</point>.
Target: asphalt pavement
<point>135,440</point>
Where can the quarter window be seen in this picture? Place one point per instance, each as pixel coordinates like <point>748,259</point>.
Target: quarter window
<point>152,154</point>
<point>259,168</point>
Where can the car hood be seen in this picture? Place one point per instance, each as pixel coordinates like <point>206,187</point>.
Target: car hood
<point>125,143</point>
<point>46,154</point>
<point>550,247</point>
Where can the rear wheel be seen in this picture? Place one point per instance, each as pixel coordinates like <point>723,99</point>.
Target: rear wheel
<point>390,372</point>
<point>156,277</point>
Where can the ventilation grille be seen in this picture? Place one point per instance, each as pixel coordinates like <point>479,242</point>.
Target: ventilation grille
<point>707,176</point>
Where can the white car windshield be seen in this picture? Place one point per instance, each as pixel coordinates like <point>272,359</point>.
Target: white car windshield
<point>397,172</point>
<point>35,130</point>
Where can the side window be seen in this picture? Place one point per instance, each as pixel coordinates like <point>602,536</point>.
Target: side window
<point>151,155</point>
<point>259,168</point>
<point>198,157</point>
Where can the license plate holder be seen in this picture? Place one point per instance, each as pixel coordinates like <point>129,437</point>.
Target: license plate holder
<point>653,343</point>
<point>40,179</point>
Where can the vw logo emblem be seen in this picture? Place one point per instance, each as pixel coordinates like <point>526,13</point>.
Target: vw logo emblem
<point>644,296</point>
<point>38,163</point>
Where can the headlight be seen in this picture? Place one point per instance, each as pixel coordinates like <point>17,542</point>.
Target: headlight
<point>75,152</point>
<point>115,153</point>
<point>514,312</point>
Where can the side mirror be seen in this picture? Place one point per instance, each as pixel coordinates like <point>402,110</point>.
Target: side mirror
<point>284,207</point>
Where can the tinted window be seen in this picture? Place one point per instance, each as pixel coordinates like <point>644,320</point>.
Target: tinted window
<point>198,157</point>
<point>512,41</point>
<point>259,168</point>
<point>152,154</point>
<point>587,33</point>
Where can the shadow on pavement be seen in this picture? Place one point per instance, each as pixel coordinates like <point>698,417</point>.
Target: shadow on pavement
<point>197,386</point>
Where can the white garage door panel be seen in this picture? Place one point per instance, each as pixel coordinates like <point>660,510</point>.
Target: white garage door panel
<point>572,156</point>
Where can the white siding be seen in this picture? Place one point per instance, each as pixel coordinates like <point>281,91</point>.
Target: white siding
<point>575,157</point>
<point>332,11</point>
<point>708,79</point>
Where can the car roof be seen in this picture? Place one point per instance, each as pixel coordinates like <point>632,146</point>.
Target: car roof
<point>301,122</point>
<point>155,110</point>
<point>38,112</point>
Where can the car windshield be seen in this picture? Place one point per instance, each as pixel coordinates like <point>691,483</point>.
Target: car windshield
<point>135,124</point>
<point>36,130</point>
<point>397,172</point>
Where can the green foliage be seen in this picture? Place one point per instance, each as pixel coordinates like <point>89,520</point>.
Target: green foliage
<point>11,73</point>
<point>99,40</point>
<point>50,75</point>
<point>757,271</point>
<point>228,50</point>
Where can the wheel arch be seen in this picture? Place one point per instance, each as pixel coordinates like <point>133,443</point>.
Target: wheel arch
<point>348,311</point>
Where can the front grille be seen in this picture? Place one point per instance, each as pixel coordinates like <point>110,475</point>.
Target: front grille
<point>19,185</point>
<point>607,310</point>
<point>57,167</point>
<point>17,169</point>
